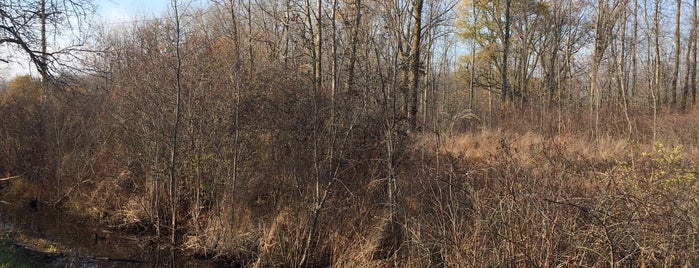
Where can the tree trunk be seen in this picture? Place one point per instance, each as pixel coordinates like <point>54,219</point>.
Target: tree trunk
<point>695,23</point>
<point>692,43</point>
<point>678,51</point>
<point>594,69</point>
<point>473,57</point>
<point>287,35</point>
<point>634,52</point>
<point>43,113</point>
<point>621,68</point>
<point>251,57</point>
<point>349,82</point>
<point>505,54</point>
<point>175,128</point>
<point>317,86</point>
<point>656,88</point>
<point>43,68</point>
<point>414,78</point>
<point>235,79</point>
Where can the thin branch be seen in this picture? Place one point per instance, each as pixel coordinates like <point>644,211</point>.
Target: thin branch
<point>9,178</point>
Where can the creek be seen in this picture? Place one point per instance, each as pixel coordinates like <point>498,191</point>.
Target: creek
<point>36,235</point>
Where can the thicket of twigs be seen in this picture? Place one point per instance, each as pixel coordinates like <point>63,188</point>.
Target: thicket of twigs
<point>465,197</point>
<point>281,134</point>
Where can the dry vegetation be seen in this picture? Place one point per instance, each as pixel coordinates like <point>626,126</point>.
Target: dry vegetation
<point>490,196</point>
<point>265,135</point>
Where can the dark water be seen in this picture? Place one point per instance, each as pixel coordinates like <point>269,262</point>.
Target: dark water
<point>84,244</point>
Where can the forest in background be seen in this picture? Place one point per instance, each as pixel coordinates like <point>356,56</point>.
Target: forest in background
<point>367,133</point>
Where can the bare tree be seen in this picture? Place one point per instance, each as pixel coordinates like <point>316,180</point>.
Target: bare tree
<point>319,196</point>
<point>473,55</point>
<point>414,79</point>
<point>693,68</point>
<point>620,60</point>
<point>176,124</point>
<point>17,27</point>
<point>634,52</point>
<point>678,52</point>
<point>690,60</point>
<point>505,53</point>
<point>19,21</point>
<point>351,69</point>
<point>656,85</point>
<point>605,20</point>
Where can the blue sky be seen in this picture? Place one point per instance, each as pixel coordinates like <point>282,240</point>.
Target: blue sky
<point>114,11</point>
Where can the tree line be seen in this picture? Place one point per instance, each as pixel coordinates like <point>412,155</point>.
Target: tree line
<point>625,57</point>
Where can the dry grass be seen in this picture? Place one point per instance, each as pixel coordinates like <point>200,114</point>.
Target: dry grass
<point>490,197</point>
<point>562,200</point>
<point>494,198</point>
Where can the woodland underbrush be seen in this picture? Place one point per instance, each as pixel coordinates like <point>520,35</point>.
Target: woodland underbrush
<point>489,198</point>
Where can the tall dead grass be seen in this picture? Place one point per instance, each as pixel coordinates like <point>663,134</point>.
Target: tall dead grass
<point>531,200</point>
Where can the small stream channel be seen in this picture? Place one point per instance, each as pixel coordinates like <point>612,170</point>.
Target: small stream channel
<point>67,241</point>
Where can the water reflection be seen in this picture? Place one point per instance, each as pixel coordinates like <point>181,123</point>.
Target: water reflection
<point>89,245</point>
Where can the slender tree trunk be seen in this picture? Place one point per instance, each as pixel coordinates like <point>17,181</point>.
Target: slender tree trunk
<point>333,72</point>
<point>318,83</point>
<point>692,43</point>
<point>678,52</point>
<point>43,69</point>
<point>391,120</point>
<point>596,58</point>
<point>173,155</point>
<point>552,70</point>
<point>505,54</point>
<point>349,82</point>
<point>287,35</point>
<point>621,68</point>
<point>236,80</point>
<point>620,56</point>
<point>318,48</point>
<point>695,24</point>
<point>656,88</point>
<point>687,74</point>
<point>43,113</point>
<point>473,56</point>
<point>156,194</point>
<point>251,57</point>
<point>428,76</point>
<point>414,78</point>
<point>634,52</point>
